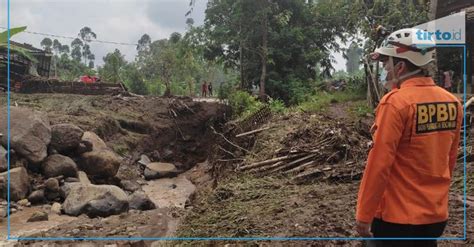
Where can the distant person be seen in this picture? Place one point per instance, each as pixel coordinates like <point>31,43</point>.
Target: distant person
<point>209,87</point>
<point>204,89</point>
<point>448,83</point>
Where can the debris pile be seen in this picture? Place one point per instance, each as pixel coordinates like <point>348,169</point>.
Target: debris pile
<point>322,150</point>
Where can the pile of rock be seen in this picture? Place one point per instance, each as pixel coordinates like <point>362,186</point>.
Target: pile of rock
<point>55,164</point>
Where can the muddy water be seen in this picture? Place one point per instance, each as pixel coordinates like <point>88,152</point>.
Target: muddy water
<point>19,226</point>
<point>165,193</point>
<point>170,192</point>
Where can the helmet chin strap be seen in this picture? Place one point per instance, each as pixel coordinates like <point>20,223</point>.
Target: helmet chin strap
<point>397,80</point>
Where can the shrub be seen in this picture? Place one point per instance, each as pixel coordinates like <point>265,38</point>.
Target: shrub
<point>277,106</point>
<point>243,104</point>
<point>225,90</point>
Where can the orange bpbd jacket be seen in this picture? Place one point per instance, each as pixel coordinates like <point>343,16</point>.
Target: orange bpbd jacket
<point>409,168</point>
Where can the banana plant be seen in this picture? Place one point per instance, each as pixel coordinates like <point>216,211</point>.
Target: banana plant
<point>13,48</point>
<point>13,31</point>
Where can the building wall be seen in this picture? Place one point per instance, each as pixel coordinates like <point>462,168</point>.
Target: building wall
<point>444,8</point>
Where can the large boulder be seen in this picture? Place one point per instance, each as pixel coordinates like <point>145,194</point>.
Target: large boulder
<point>144,160</point>
<point>59,165</point>
<point>101,161</point>
<point>30,133</point>
<point>66,188</point>
<point>157,170</point>
<point>94,140</point>
<point>83,179</point>
<point>51,187</point>
<point>38,216</point>
<point>129,185</point>
<point>65,137</point>
<point>95,200</point>
<point>140,201</point>
<point>37,197</point>
<point>19,184</point>
<point>3,159</point>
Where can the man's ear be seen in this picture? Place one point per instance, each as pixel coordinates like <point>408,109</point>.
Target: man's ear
<point>402,67</point>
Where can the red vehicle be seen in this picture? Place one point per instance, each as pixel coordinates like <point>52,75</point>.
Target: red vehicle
<point>89,79</point>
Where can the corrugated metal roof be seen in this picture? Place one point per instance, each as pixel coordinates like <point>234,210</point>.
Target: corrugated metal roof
<point>469,14</point>
<point>31,48</point>
<point>447,7</point>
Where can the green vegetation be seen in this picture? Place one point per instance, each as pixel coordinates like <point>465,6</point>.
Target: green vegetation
<point>243,104</point>
<point>360,108</point>
<point>319,101</point>
<point>279,49</point>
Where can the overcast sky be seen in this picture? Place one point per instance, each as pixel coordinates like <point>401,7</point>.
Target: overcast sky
<point>112,20</point>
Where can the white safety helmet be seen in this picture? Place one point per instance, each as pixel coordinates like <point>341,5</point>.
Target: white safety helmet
<point>400,44</point>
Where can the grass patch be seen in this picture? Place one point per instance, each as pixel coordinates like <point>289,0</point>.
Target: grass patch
<point>226,211</point>
<point>321,100</point>
<point>360,109</point>
<point>120,149</point>
<point>250,206</point>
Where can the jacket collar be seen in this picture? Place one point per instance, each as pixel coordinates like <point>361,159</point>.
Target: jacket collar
<point>418,82</point>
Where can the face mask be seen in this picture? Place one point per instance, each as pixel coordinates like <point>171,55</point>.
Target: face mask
<point>383,77</point>
<point>395,81</point>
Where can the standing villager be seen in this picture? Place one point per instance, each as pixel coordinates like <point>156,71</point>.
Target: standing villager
<point>204,89</point>
<point>209,87</point>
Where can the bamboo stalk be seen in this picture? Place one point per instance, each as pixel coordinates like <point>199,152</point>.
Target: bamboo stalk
<point>293,163</point>
<point>267,168</point>
<point>270,161</point>
<point>252,132</point>
<point>300,168</point>
<point>307,175</point>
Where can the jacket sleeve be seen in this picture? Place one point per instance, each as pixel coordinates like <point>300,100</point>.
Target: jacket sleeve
<point>390,127</point>
<point>453,154</point>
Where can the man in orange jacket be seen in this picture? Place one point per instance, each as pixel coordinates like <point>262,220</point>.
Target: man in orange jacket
<point>404,190</point>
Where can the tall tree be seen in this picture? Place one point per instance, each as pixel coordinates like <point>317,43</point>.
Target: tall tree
<point>57,49</point>
<point>175,37</point>
<point>189,22</point>
<point>113,63</point>
<point>353,56</point>
<point>86,53</point>
<point>274,43</point>
<point>143,49</point>
<point>87,35</point>
<point>367,15</point>
<point>64,49</point>
<point>47,44</point>
<point>91,58</point>
<point>133,79</point>
<point>164,56</point>
<point>76,49</point>
<point>144,43</point>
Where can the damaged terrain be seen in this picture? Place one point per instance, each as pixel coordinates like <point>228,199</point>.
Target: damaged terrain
<point>185,170</point>
<point>300,179</point>
<point>83,165</point>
